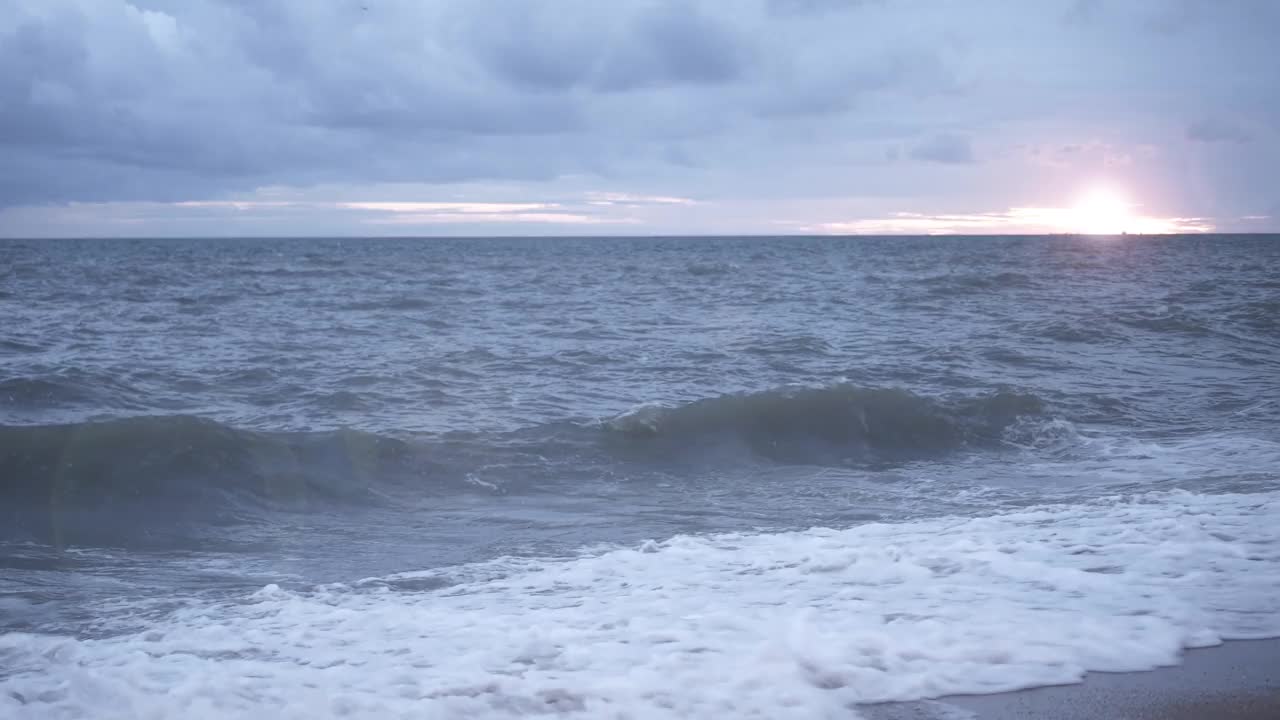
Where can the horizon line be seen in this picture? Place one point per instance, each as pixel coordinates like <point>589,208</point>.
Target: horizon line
<point>637,236</point>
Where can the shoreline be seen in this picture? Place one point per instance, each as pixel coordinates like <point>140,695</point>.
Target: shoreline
<point>1238,680</point>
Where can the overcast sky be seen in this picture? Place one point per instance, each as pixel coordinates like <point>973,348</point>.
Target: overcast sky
<point>465,117</point>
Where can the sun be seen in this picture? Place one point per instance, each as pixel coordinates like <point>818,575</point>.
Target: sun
<point>1102,211</point>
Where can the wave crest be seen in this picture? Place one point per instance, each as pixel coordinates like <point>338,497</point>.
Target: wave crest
<point>812,424</point>
<point>126,478</point>
<point>185,458</point>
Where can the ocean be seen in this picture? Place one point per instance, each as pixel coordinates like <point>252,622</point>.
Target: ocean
<point>626,477</point>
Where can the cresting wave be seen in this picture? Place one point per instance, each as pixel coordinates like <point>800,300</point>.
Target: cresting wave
<point>121,481</point>
<point>835,423</point>
<point>790,625</point>
<point>203,466</point>
<point>183,457</point>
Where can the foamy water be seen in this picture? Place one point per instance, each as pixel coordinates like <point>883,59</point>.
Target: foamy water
<point>791,625</point>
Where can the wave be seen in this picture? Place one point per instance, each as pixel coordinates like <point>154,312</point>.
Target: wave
<point>185,457</point>
<point>71,387</point>
<point>192,469</point>
<point>1070,331</point>
<point>789,345</point>
<point>814,425</point>
<point>190,466</point>
<point>393,303</point>
<point>968,283</point>
<point>1260,315</point>
<point>9,345</point>
<point>1168,322</point>
<point>711,268</point>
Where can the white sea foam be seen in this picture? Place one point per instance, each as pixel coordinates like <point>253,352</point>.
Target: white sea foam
<point>792,625</point>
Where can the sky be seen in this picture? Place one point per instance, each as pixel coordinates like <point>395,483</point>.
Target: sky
<point>214,118</point>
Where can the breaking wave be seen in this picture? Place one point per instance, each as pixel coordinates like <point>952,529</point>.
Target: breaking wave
<point>815,424</point>
<point>129,479</point>
<point>182,457</point>
<point>196,470</point>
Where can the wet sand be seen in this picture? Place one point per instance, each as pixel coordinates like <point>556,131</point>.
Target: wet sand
<point>1236,681</point>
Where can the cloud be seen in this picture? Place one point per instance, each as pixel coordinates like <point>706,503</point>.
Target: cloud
<point>1089,155</point>
<point>1082,12</point>
<point>795,7</point>
<point>633,200</point>
<point>423,213</point>
<point>148,103</point>
<point>106,99</point>
<point>1015,221</point>
<point>1215,131</point>
<point>549,218</point>
<point>666,44</point>
<point>947,149</point>
<point>813,84</point>
<point>284,208</point>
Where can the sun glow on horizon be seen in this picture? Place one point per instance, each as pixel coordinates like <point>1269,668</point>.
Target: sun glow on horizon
<point>1101,211</point>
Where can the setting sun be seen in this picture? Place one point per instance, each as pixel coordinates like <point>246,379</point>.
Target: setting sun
<point>1101,211</point>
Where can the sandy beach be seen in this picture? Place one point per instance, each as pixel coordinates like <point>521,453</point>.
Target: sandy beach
<point>1238,680</point>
